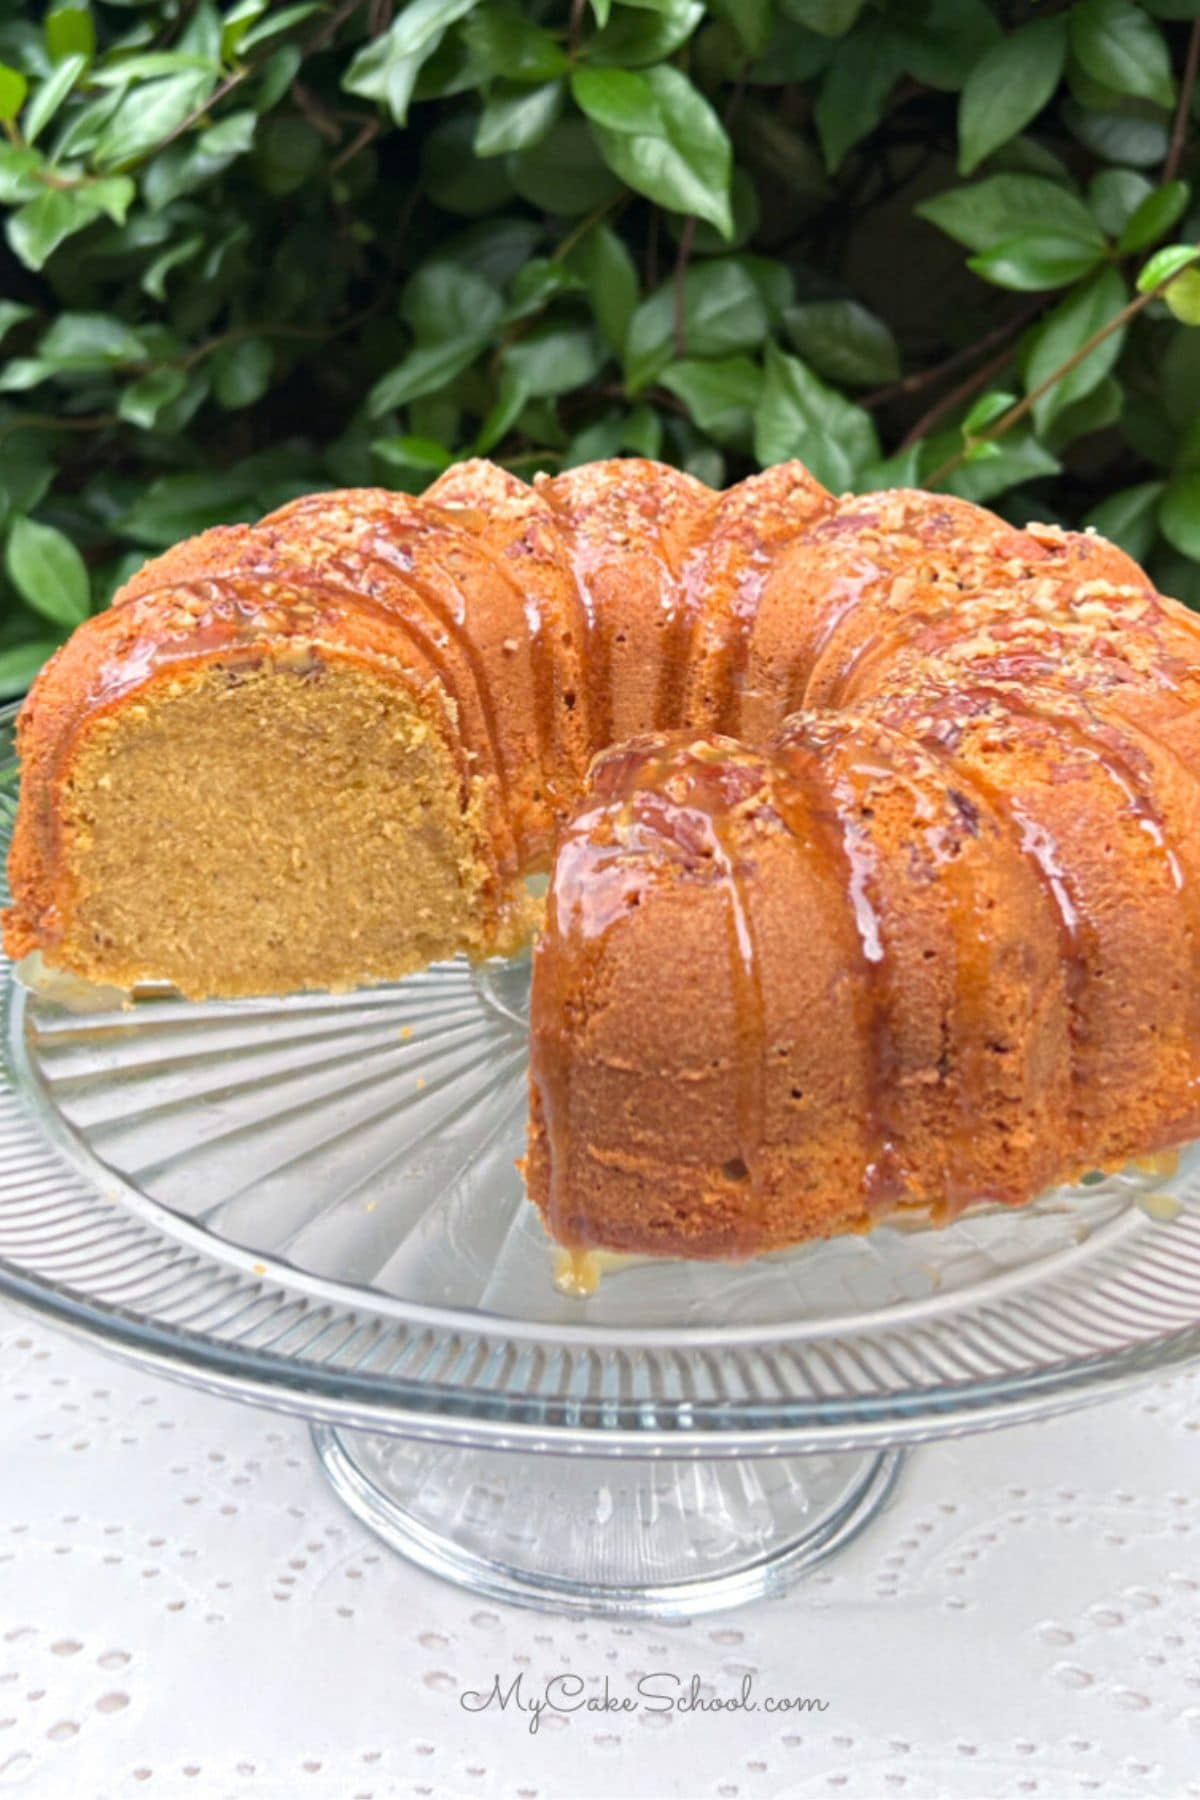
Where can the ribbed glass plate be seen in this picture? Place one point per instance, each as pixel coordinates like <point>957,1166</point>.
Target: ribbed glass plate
<point>316,1201</point>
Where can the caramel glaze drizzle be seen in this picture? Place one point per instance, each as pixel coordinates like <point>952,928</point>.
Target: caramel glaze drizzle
<point>727,570</point>
<point>541,652</point>
<point>831,809</point>
<point>972,951</point>
<point>582,560</point>
<point>665,797</point>
<point>1078,934</point>
<point>1131,778</point>
<point>693,580</point>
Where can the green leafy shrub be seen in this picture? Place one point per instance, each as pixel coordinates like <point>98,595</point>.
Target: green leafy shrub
<point>254,251</point>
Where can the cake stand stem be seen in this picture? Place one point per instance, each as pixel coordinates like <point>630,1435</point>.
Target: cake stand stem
<point>626,1538</point>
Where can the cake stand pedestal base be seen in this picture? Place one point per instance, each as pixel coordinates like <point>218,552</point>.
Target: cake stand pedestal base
<point>646,1539</point>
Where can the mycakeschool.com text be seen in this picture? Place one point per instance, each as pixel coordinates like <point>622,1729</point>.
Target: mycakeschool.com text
<point>660,1691</point>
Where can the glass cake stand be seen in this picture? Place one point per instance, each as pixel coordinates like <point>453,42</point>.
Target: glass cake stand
<point>311,1204</point>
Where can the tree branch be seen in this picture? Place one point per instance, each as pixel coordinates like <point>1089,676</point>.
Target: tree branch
<point>1183,112</point>
<point>965,390</point>
<point>923,378</point>
<point>1016,413</point>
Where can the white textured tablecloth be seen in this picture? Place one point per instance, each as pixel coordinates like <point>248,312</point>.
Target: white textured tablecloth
<point>185,1609</point>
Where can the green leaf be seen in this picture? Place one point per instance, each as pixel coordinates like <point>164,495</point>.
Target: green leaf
<point>1009,86</point>
<point>13,89</point>
<point>48,572</point>
<point>236,24</point>
<point>1073,321</point>
<point>11,313</point>
<point>507,43</point>
<point>903,469</point>
<point>566,174</point>
<point>1002,207</point>
<point>1121,47</point>
<point>1130,518</point>
<point>1135,133</point>
<point>148,113</point>
<point>941,41</point>
<point>112,195</point>
<point>1083,418</point>
<point>26,468</point>
<point>90,341</point>
<point>20,664</point>
<point>70,31</point>
<point>51,94</point>
<point>502,415</point>
<point>1017,457</point>
<point>1179,514</point>
<point>278,73</point>
<point>752,21</point>
<point>155,278</point>
<point>19,172</point>
<point>144,399</point>
<point>1155,216</point>
<point>607,268</point>
<point>458,180</point>
<point>275,22</point>
<point>1114,195</point>
<point>287,152</point>
<point>721,395</point>
<point>723,314</point>
<point>516,117</point>
<point>800,417</point>
<point>494,248</point>
<point>413,453</point>
<point>1039,260</point>
<point>429,367</point>
<point>1183,297</point>
<point>188,165</point>
<point>177,506</point>
<point>23,373</point>
<point>534,286</point>
<point>773,282</point>
<point>1165,264</point>
<point>986,410</point>
<point>553,359</point>
<point>844,342</point>
<point>241,372</point>
<point>829,18</point>
<point>658,134</point>
<point>129,70</point>
<point>634,39</point>
<point>443,301</point>
<point>386,69</point>
<point>855,89</point>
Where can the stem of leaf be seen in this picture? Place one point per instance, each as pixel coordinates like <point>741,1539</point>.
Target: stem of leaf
<point>923,378</point>
<point>575,30</point>
<point>576,236</point>
<point>965,390</point>
<point>1183,112</point>
<point>1023,407</point>
<point>52,422</point>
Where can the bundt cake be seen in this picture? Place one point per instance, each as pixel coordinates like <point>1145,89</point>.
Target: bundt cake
<point>872,824</point>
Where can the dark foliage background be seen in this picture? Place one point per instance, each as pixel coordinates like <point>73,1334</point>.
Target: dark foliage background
<point>256,250</point>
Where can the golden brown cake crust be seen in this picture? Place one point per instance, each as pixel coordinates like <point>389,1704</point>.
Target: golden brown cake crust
<point>889,896</point>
